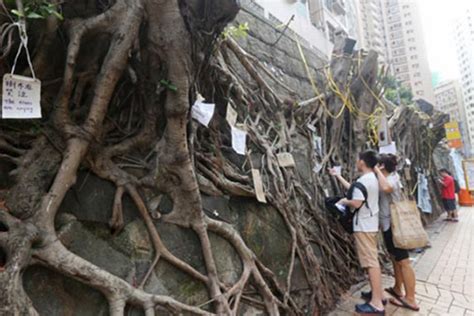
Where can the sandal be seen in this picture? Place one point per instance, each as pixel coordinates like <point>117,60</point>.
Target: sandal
<point>367,309</point>
<point>402,303</point>
<point>392,292</point>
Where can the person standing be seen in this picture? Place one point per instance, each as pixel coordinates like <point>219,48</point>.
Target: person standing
<point>366,226</point>
<point>391,191</point>
<point>448,195</point>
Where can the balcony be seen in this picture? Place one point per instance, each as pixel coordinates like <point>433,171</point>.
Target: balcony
<point>336,6</point>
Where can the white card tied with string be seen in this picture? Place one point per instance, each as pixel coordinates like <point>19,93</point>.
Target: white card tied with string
<point>203,112</point>
<point>21,96</point>
<point>239,140</point>
<point>231,115</point>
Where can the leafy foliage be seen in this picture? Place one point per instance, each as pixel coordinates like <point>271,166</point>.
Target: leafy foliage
<point>396,92</point>
<point>36,9</point>
<point>236,32</point>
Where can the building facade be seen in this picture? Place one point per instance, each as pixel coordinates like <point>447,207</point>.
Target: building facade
<point>464,39</point>
<point>372,33</point>
<point>297,14</point>
<point>407,55</point>
<point>449,99</point>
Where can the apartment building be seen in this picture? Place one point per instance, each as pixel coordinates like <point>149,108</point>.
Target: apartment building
<point>334,17</point>
<point>406,48</point>
<point>371,32</point>
<point>464,41</point>
<point>449,99</point>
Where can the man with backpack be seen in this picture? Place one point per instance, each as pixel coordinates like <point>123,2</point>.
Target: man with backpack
<point>365,206</point>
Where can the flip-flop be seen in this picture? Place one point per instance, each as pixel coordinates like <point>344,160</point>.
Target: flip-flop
<point>402,303</point>
<point>392,292</point>
<point>368,309</point>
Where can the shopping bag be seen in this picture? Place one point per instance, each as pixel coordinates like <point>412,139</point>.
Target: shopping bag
<point>407,229</point>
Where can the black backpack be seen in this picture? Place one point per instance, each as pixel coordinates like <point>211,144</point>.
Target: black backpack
<point>346,216</point>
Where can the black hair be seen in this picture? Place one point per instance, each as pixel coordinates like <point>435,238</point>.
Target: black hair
<point>369,157</point>
<point>444,170</point>
<point>389,161</point>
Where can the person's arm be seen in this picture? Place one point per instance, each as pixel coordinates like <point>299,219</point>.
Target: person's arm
<point>383,181</point>
<point>343,181</point>
<point>355,204</point>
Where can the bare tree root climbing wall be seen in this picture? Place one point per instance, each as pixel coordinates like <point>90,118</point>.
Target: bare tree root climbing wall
<point>116,102</point>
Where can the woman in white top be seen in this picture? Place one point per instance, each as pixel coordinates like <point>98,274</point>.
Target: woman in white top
<point>391,190</point>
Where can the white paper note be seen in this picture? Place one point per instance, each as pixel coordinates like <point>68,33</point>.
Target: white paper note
<point>408,162</point>
<point>203,112</point>
<point>21,97</point>
<point>311,127</point>
<point>384,132</point>
<point>258,185</point>
<point>285,160</point>
<point>389,149</point>
<point>317,167</point>
<point>337,170</point>
<point>318,144</point>
<point>231,116</point>
<point>239,138</point>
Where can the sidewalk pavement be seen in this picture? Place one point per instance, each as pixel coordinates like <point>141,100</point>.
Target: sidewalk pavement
<point>444,273</point>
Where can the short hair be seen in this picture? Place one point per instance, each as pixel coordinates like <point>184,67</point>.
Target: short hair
<point>369,157</point>
<point>444,170</point>
<point>389,161</point>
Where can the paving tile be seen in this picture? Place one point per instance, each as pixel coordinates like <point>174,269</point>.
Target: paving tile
<point>456,311</point>
<point>444,272</point>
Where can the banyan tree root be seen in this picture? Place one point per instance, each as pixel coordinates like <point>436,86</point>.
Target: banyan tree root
<point>131,71</point>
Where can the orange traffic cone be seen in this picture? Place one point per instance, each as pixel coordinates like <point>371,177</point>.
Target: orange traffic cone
<point>465,198</point>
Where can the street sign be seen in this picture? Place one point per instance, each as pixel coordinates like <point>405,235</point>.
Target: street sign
<point>453,134</point>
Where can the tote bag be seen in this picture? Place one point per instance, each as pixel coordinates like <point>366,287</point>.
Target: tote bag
<point>407,229</point>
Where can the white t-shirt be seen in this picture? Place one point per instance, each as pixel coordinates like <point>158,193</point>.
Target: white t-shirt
<point>367,219</point>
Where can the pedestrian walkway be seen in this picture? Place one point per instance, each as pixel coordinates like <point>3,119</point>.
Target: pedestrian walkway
<point>444,272</point>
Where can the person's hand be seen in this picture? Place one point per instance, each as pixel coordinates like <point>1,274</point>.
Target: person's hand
<point>343,201</point>
<point>335,171</point>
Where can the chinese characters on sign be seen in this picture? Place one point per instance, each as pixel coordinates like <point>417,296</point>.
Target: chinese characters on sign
<point>21,97</point>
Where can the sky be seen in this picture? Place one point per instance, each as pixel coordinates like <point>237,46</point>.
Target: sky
<point>438,17</point>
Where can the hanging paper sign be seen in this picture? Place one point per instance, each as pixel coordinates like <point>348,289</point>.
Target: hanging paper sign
<point>258,185</point>
<point>337,170</point>
<point>203,112</point>
<point>389,149</point>
<point>21,97</point>
<point>311,127</point>
<point>407,173</point>
<point>408,162</point>
<point>318,144</point>
<point>317,167</point>
<point>384,132</point>
<point>231,116</point>
<point>239,138</point>
<point>285,160</point>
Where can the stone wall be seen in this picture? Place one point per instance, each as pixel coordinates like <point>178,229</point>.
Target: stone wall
<point>283,58</point>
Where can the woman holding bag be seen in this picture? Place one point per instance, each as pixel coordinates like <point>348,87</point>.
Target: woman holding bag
<point>391,191</point>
